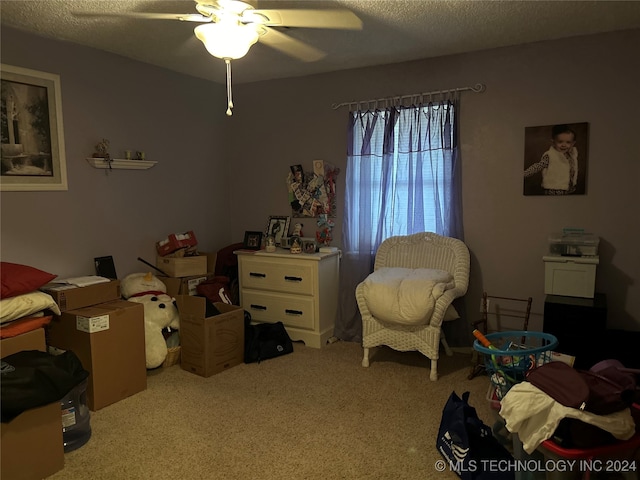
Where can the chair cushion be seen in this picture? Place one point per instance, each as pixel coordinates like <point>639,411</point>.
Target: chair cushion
<point>404,295</point>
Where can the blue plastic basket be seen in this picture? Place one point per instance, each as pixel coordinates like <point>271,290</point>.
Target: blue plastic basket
<point>516,353</point>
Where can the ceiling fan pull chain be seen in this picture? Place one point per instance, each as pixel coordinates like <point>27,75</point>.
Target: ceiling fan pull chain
<point>229,93</point>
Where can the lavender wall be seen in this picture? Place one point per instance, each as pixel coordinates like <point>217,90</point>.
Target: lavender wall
<point>221,176</point>
<point>586,79</point>
<point>177,120</point>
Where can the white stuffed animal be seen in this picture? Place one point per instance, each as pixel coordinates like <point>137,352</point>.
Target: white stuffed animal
<point>160,312</point>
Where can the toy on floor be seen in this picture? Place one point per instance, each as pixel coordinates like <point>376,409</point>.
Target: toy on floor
<point>160,313</point>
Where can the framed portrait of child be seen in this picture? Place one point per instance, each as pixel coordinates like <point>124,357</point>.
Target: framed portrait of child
<point>555,159</point>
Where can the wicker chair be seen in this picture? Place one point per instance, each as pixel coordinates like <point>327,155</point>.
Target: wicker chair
<point>418,251</point>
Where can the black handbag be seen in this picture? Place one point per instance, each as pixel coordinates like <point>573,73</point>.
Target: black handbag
<point>467,444</point>
<point>265,340</point>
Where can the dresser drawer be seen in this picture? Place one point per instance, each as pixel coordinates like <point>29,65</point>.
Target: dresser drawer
<point>265,274</point>
<point>300,291</point>
<point>273,307</point>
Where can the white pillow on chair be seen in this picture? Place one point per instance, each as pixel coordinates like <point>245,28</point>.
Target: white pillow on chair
<point>404,295</point>
<point>451,314</point>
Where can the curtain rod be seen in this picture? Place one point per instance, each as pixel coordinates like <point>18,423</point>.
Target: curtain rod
<point>477,88</point>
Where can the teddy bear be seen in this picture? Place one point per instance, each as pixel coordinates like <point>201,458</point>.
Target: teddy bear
<point>160,312</point>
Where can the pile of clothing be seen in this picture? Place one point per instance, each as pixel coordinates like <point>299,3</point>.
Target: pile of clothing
<point>577,409</point>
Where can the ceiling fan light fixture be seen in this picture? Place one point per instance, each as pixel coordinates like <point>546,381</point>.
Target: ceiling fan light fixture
<point>227,40</point>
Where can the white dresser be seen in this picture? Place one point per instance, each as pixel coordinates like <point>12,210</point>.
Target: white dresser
<point>300,290</point>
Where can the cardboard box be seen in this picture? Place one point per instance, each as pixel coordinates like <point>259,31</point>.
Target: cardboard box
<point>34,434</point>
<point>70,297</point>
<point>33,340</point>
<point>182,267</point>
<point>176,241</point>
<point>211,344</point>
<point>38,430</point>
<point>185,285</point>
<point>109,341</point>
<point>570,276</point>
<point>212,258</point>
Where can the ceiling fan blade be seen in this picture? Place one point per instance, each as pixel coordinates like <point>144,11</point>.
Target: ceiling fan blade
<point>185,17</point>
<point>332,18</point>
<point>290,46</point>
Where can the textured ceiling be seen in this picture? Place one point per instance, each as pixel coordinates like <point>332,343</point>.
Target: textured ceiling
<point>393,31</point>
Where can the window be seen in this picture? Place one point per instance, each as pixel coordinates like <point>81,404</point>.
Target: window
<point>399,172</point>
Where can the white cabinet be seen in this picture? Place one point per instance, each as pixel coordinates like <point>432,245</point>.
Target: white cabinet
<point>300,290</point>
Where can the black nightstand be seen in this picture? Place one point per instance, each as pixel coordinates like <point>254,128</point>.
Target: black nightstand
<point>579,324</point>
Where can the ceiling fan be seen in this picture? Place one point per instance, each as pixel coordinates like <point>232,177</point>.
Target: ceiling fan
<point>230,27</point>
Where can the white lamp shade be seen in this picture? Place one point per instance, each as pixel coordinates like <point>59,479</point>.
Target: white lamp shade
<point>227,40</point>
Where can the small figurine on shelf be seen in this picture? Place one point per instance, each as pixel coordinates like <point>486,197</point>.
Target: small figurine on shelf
<point>270,244</point>
<point>102,150</point>
<point>297,230</point>
<point>296,245</point>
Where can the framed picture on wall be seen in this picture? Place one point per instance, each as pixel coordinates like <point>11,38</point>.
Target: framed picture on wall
<point>278,227</point>
<point>555,159</point>
<point>33,154</point>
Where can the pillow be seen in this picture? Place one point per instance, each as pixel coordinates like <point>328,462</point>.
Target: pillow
<point>404,295</point>
<point>451,314</point>
<point>19,279</point>
<point>24,325</point>
<point>25,305</point>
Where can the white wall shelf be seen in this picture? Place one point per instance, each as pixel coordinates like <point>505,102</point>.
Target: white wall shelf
<point>122,164</point>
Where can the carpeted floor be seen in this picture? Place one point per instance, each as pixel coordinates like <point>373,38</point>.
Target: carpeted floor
<point>313,414</point>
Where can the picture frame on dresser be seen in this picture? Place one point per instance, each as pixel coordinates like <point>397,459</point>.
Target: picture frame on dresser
<point>33,153</point>
<point>309,246</point>
<point>278,226</point>
<point>252,240</point>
